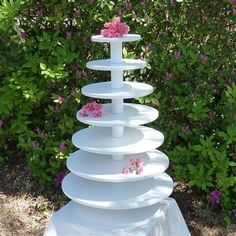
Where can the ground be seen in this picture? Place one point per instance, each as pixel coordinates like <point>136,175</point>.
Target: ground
<point>25,207</point>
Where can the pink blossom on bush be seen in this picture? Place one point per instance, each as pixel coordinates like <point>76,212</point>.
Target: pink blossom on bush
<point>234,213</point>
<point>24,35</point>
<point>57,107</point>
<point>233,2</point>
<point>169,74</point>
<point>68,34</point>
<point>212,114</point>
<point>132,162</point>
<point>77,13</point>
<point>1,122</point>
<point>203,58</point>
<point>143,3</point>
<point>63,147</point>
<point>128,5</point>
<point>215,197</point>
<point>58,179</point>
<point>177,54</point>
<point>234,11</point>
<point>60,98</point>
<point>115,29</point>
<point>90,2</point>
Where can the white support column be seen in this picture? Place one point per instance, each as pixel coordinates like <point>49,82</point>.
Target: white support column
<point>117,82</point>
<point>116,52</point>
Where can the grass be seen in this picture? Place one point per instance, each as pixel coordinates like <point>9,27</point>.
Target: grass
<point>26,208</point>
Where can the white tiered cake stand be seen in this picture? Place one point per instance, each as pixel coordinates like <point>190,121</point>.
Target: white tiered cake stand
<point>106,202</point>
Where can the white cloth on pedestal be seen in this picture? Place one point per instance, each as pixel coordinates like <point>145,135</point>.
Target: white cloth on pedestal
<point>167,220</point>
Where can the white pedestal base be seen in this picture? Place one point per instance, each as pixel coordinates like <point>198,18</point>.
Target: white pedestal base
<point>162,219</point>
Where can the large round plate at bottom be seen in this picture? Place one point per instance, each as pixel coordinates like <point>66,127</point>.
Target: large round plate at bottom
<point>126,195</point>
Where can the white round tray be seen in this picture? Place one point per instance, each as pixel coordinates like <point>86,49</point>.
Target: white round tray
<point>129,90</point>
<point>135,140</point>
<point>107,65</point>
<point>125,38</point>
<point>117,195</point>
<point>133,115</point>
<point>101,167</point>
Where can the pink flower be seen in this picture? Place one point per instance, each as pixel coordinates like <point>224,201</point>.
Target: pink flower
<point>172,2</point>
<point>63,147</point>
<point>169,74</point>
<point>203,58</point>
<point>215,197</point>
<point>125,170</point>
<point>90,2</point>
<point>133,14</point>
<point>234,10</point>
<point>68,34</point>
<point>132,162</point>
<point>233,2</point>
<point>77,13</point>
<point>84,74</point>
<point>58,179</point>
<point>234,213</point>
<point>39,11</point>
<point>121,13</point>
<point>139,170</point>
<point>128,5</point>
<point>73,92</point>
<point>57,107</point>
<point>84,113</point>
<point>24,35</point>
<point>148,48</point>
<point>78,73</point>
<point>60,98</point>
<point>1,122</point>
<point>177,54</point>
<point>78,35</point>
<point>115,29</point>
<point>97,114</point>
<point>212,114</point>
<point>140,162</point>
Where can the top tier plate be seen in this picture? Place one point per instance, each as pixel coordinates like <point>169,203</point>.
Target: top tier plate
<point>107,65</point>
<point>125,38</point>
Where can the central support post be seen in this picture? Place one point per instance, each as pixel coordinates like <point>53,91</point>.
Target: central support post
<point>117,83</point>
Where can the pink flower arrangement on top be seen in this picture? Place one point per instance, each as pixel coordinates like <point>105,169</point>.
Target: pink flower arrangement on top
<point>136,167</point>
<point>115,29</point>
<point>92,108</point>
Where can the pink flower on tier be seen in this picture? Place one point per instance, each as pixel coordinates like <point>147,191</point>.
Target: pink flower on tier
<point>139,162</point>
<point>139,170</point>
<point>115,29</point>
<point>97,114</point>
<point>132,162</point>
<point>125,170</point>
<point>84,112</point>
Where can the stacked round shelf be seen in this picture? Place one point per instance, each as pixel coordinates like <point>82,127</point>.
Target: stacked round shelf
<point>104,200</point>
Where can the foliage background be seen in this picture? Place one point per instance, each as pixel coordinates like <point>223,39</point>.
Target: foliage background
<point>190,50</point>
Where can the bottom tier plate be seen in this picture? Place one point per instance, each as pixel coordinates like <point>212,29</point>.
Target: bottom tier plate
<point>163,219</point>
<point>109,195</point>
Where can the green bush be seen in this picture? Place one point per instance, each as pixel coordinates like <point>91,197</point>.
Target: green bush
<point>190,50</point>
